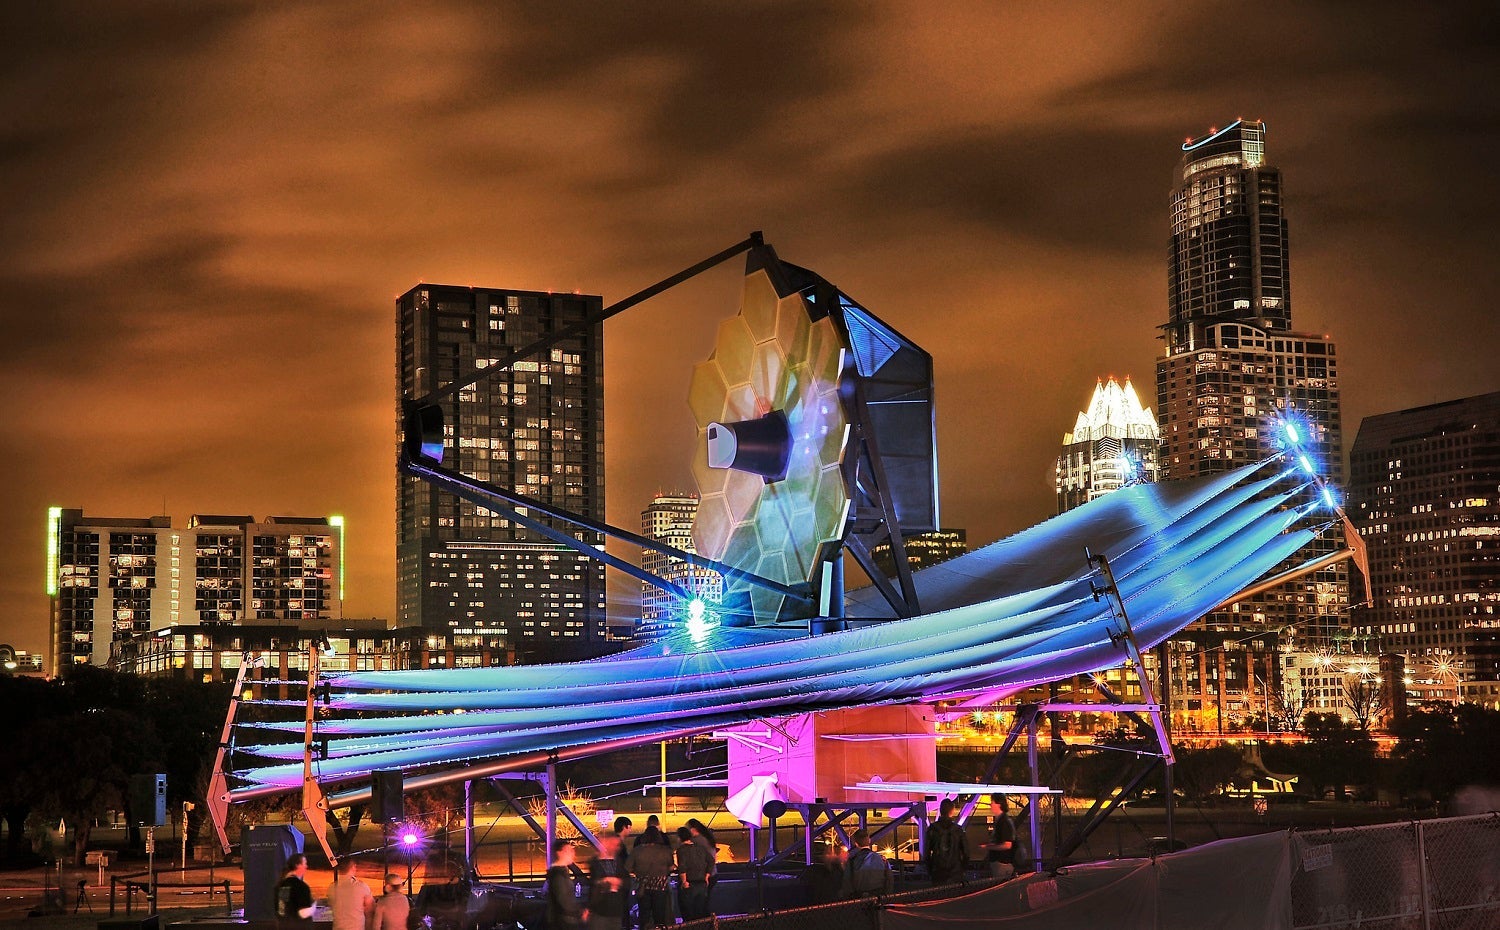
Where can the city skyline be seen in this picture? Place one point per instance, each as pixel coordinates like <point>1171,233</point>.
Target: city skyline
<point>203,248</point>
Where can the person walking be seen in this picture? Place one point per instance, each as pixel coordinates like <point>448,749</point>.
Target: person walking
<point>652,863</point>
<point>827,879</point>
<point>622,854</point>
<point>564,910</point>
<point>294,900</point>
<point>606,885</point>
<point>350,899</point>
<point>393,907</point>
<point>947,847</point>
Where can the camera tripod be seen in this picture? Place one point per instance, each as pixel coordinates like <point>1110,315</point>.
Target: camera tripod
<point>83,897</point>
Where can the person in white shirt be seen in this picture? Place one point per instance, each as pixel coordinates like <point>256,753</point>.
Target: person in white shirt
<point>349,898</point>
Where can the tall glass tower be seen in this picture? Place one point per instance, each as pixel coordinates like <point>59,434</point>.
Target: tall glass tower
<point>1231,371</point>
<point>1229,249</point>
<point>536,428</point>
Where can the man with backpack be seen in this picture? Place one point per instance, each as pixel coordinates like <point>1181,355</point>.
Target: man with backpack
<point>947,847</point>
<point>869,872</point>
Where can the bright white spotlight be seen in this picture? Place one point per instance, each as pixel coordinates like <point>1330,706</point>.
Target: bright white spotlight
<point>1291,432</point>
<point>699,620</point>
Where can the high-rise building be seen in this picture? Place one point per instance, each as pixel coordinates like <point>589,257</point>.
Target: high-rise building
<point>1232,372</point>
<point>1424,492</point>
<point>1113,443</point>
<point>1233,369</point>
<point>536,428</point>
<point>111,577</point>
<point>923,549</point>
<point>279,651</point>
<point>669,519</point>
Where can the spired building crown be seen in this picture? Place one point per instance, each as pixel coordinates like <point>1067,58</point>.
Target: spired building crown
<point>1115,412</point>
<point>1114,443</point>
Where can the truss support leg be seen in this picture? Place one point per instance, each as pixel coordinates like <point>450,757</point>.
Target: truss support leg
<point>1034,809</point>
<point>469,825</point>
<point>1171,805</point>
<point>520,809</point>
<point>550,786</point>
<point>314,804</point>
<point>1125,637</point>
<point>218,782</point>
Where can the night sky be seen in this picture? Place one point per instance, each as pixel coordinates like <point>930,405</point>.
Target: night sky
<point>209,209</point>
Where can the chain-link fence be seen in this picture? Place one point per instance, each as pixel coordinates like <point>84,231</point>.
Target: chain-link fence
<point>859,914</point>
<point>1423,875</point>
<point>1412,876</point>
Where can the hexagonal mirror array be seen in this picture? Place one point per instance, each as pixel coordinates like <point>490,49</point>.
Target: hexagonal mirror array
<point>773,356</point>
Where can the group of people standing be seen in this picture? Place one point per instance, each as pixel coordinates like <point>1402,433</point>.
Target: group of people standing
<point>947,844</point>
<point>862,872</point>
<point>601,900</point>
<point>857,872</point>
<point>351,902</point>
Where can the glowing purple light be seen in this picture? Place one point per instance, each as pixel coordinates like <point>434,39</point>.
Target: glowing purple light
<point>409,838</point>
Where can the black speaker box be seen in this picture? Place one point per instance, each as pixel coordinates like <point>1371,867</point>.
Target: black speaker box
<point>148,800</point>
<point>386,803</point>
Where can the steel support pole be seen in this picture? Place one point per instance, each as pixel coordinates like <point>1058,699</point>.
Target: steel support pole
<point>551,788</point>
<point>469,825</point>
<point>1034,809</point>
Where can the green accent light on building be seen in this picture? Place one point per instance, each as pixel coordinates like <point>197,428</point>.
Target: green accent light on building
<point>338,521</point>
<point>54,539</point>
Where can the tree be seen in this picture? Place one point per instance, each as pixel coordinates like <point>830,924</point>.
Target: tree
<point>1362,698</point>
<point>1335,755</point>
<point>1288,706</point>
<point>187,717</point>
<point>26,701</point>
<point>1443,748</point>
<point>79,766</point>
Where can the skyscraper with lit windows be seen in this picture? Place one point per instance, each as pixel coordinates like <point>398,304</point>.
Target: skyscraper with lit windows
<point>1231,372</point>
<point>536,428</point>
<point>111,578</point>
<point>1113,443</point>
<point>1424,493</point>
<point>1233,368</point>
<point>669,519</point>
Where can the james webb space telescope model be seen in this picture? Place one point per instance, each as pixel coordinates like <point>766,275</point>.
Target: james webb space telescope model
<point>815,437</point>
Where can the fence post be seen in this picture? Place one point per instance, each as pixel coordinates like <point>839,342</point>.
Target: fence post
<point>111,896</point>
<point>1422,864</point>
